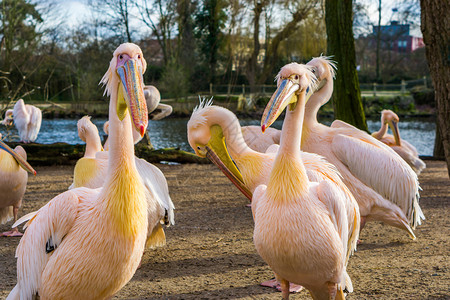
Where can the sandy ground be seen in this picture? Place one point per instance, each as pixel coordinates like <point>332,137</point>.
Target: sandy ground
<point>210,253</point>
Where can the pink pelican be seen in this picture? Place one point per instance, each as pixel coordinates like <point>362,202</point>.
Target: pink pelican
<point>87,243</point>
<point>91,170</point>
<point>215,132</point>
<point>27,119</point>
<point>385,187</point>
<point>258,141</point>
<point>406,151</point>
<point>13,182</point>
<point>153,98</point>
<point>304,230</point>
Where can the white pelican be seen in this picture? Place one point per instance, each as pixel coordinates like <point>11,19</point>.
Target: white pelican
<point>406,151</point>
<point>27,119</point>
<point>153,98</point>
<point>385,187</point>
<point>304,230</point>
<point>91,170</point>
<point>13,182</point>
<point>87,243</point>
<point>215,132</point>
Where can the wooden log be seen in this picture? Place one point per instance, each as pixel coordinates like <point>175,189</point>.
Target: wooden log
<point>67,154</point>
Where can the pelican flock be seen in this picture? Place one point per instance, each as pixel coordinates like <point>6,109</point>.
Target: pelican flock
<point>27,119</point>
<point>312,187</point>
<point>385,186</point>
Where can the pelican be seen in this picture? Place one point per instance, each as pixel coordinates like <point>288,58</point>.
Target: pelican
<point>406,151</point>
<point>153,98</point>
<point>27,119</point>
<point>215,132</point>
<point>87,243</point>
<point>384,186</point>
<point>91,170</point>
<point>306,231</point>
<point>13,182</point>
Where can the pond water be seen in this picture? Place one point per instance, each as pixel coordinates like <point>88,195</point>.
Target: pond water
<point>172,132</point>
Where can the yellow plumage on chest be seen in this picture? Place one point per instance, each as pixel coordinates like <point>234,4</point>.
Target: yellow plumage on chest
<point>85,170</point>
<point>8,163</point>
<point>127,204</point>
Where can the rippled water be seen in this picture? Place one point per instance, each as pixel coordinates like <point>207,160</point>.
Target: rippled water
<point>172,132</point>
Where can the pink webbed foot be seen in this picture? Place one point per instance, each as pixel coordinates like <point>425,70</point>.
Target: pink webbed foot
<point>273,283</point>
<point>14,232</point>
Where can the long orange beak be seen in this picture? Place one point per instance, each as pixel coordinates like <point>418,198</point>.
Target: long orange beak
<point>133,93</point>
<point>22,162</point>
<point>278,102</point>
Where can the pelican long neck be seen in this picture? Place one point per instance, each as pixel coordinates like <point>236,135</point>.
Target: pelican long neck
<point>231,128</point>
<point>292,128</point>
<point>288,179</point>
<point>380,133</point>
<point>120,140</point>
<point>93,144</point>
<point>316,101</point>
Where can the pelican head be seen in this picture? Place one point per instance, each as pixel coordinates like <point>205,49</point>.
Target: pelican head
<point>125,74</point>
<point>19,155</point>
<point>323,68</point>
<point>292,80</point>
<point>207,140</point>
<point>389,117</point>
<point>86,127</point>
<point>8,120</point>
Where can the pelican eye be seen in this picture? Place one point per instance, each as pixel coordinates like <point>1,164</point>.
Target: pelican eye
<point>120,56</point>
<point>296,77</point>
<point>139,56</point>
<point>198,147</point>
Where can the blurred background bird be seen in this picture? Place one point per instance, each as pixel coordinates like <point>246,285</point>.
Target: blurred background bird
<point>27,119</point>
<point>406,151</point>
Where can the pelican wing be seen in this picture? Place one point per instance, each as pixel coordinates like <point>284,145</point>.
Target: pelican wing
<point>46,230</point>
<point>35,122</point>
<point>344,214</point>
<point>342,124</point>
<point>379,167</point>
<point>156,183</point>
<point>165,110</point>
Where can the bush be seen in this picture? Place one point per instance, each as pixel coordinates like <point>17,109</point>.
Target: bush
<point>423,96</point>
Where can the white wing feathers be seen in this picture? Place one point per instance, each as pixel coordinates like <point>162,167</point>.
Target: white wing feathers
<point>46,229</point>
<point>388,175</point>
<point>156,183</point>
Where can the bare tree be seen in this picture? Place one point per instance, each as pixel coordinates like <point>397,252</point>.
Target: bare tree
<point>116,14</point>
<point>436,34</point>
<point>161,19</point>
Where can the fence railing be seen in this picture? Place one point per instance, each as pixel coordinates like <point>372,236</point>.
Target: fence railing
<point>367,89</point>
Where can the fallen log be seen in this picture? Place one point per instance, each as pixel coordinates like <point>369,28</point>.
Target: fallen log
<point>67,154</point>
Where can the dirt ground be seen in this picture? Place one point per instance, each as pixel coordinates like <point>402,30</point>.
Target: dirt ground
<point>210,252</point>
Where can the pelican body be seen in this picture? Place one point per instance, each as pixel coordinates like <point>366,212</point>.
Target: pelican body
<point>384,186</point>
<point>304,230</point>
<point>406,151</point>
<point>13,183</point>
<point>27,119</point>
<point>87,243</point>
<point>91,170</point>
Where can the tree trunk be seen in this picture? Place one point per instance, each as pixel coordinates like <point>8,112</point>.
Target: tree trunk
<point>438,151</point>
<point>340,43</point>
<point>436,31</point>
